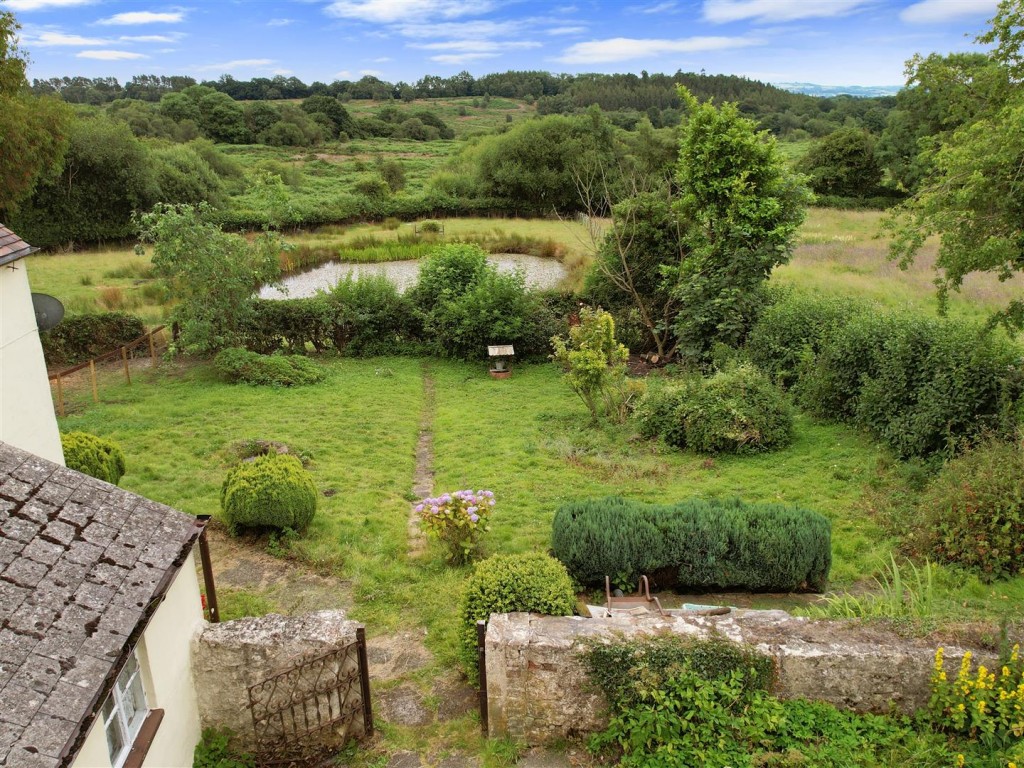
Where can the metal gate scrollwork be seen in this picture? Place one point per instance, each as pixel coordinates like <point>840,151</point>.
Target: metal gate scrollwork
<point>311,710</point>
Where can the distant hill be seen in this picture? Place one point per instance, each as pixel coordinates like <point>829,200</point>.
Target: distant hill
<point>812,89</point>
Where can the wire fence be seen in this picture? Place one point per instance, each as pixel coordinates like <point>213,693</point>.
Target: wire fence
<point>153,342</point>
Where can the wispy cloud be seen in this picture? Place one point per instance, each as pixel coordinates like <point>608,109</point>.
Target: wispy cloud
<point>144,17</point>
<point>566,30</point>
<point>382,60</point>
<point>343,75</point>
<point>627,48</point>
<point>391,11</point>
<point>475,46</point>
<point>464,30</point>
<point>280,22</point>
<point>722,11</point>
<point>939,11</point>
<point>43,5</point>
<point>110,55</point>
<point>237,64</point>
<point>150,38</point>
<point>656,8</point>
<point>371,73</point>
<point>54,38</point>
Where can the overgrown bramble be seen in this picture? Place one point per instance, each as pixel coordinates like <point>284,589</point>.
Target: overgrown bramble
<point>981,705</point>
<point>457,520</point>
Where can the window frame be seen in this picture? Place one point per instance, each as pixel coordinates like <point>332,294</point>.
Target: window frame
<point>120,694</point>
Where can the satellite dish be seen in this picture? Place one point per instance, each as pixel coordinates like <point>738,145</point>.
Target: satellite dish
<point>49,311</point>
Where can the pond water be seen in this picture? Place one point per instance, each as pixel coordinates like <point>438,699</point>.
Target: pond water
<point>540,273</point>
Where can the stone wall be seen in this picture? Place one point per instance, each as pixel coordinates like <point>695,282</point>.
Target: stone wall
<point>229,657</point>
<point>538,692</point>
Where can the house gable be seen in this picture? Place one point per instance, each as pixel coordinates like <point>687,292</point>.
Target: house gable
<point>83,567</point>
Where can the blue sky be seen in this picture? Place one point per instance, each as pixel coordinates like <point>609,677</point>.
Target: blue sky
<point>831,42</point>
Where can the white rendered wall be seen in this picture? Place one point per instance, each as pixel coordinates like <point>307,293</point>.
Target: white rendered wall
<point>165,655</point>
<point>27,419</point>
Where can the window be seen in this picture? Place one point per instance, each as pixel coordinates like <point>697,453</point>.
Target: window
<point>124,711</point>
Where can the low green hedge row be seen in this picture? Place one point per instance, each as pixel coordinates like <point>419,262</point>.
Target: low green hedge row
<point>240,366</point>
<point>81,337</point>
<point>694,544</point>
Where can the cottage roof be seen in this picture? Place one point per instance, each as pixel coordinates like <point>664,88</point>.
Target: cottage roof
<point>83,565</point>
<point>12,247</point>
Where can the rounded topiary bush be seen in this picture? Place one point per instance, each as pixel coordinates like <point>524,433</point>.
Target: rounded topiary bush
<point>506,583</point>
<point>972,515</point>
<point>95,456</point>
<point>271,491</point>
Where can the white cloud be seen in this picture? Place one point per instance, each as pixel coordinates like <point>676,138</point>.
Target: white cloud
<point>144,17</point>
<point>391,11</point>
<point>475,46</point>
<point>464,30</point>
<point>566,30</point>
<point>721,11</point>
<point>110,55</point>
<point>237,64</point>
<point>462,58</point>
<point>658,7</point>
<point>149,38</point>
<point>343,75</point>
<point>43,5</point>
<point>47,39</point>
<point>626,48</point>
<point>382,60</point>
<point>939,11</point>
<point>280,22</point>
<point>371,73</point>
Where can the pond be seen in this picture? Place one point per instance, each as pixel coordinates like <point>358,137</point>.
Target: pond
<point>540,273</point>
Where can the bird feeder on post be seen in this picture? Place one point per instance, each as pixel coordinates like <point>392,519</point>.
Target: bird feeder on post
<point>501,357</point>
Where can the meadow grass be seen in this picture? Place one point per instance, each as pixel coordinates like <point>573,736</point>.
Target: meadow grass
<point>527,438</point>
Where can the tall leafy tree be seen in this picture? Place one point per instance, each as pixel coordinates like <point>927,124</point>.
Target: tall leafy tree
<point>33,130</point>
<point>740,209</point>
<point>973,196</point>
<point>211,273</point>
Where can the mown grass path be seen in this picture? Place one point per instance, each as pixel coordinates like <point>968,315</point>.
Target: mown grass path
<point>423,476</point>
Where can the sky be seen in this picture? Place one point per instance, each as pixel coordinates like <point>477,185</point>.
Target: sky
<point>828,42</point>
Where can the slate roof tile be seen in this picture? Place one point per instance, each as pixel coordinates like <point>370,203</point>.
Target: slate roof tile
<point>81,563</point>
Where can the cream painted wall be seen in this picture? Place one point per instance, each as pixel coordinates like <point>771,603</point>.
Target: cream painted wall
<point>27,418</point>
<point>165,655</point>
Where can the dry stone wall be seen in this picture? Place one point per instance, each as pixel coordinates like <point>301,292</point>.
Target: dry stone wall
<point>538,692</point>
<point>229,657</point>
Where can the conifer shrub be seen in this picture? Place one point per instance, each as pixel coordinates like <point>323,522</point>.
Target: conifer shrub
<point>245,367</point>
<point>737,410</point>
<point>694,544</point>
<point>270,491</point>
<point>531,582</point>
<point>93,455</point>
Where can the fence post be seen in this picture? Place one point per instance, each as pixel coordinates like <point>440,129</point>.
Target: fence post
<point>152,349</point>
<point>364,681</point>
<point>481,662</point>
<point>92,375</point>
<point>124,358</point>
<point>60,396</point>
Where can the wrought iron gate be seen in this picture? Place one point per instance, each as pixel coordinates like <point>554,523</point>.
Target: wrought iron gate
<point>311,709</point>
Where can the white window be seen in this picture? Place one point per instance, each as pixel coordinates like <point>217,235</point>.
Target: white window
<point>124,711</point>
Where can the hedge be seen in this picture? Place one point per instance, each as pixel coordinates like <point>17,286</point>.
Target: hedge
<point>694,544</point>
<point>924,386</point>
<point>240,366</point>
<point>82,337</point>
